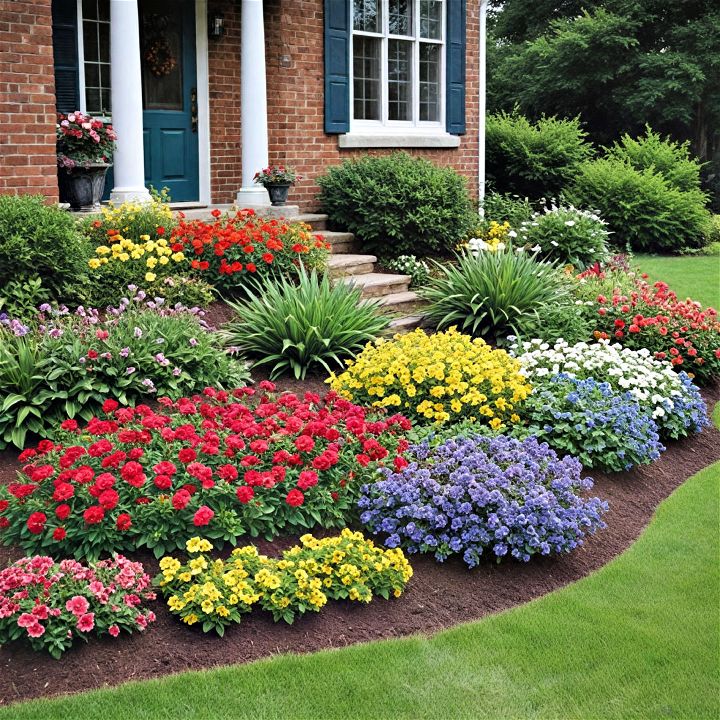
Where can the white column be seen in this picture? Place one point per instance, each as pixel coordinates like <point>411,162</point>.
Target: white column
<point>253,98</point>
<point>127,106</point>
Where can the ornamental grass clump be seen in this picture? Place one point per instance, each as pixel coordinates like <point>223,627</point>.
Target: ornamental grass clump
<point>600,426</point>
<point>477,495</point>
<point>671,399</point>
<point>310,324</point>
<point>51,604</point>
<point>219,464</point>
<point>492,294</point>
<point>217,593</point>
<point>438,378</point>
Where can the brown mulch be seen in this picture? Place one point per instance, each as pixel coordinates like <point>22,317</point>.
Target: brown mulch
<point>438,596</point>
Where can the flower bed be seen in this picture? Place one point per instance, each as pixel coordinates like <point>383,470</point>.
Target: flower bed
<point>51,604</point>
<point>220,464</point>
<point>477,494</point>
<point>438,378</point>
<point>234,248</point>
<point>670,398</point>
<point>218,593</point>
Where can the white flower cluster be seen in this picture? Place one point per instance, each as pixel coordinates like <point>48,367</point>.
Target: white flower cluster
<point>597,230</point>
<point>653,383</point>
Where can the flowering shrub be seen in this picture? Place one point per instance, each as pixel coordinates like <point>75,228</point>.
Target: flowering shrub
<point>436,378</point>
<point>418,270</point>
<point>603,428</point>
<point>65,365</point>
<point>217,593</point>
<point>211,464</point>
<point>567,234</point>
<point>497,236</point>
<point>652,317</point>
<point>51,604</point>
<point>670,399</point>
<point>276,174</point>
<point>475,494</point>
<point>82,139</point>
<point>244,245</point>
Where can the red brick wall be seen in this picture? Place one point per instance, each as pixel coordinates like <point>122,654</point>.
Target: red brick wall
<point>27,99</point>
<point>295,100</point>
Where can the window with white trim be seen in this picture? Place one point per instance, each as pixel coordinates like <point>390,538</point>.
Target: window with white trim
<point>398,59</point>
<point>94,60</point>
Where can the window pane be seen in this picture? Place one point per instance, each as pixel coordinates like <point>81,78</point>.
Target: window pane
<point>399,80</point>
<point>90,41</point>
<point>366,15</point>
<point>104,9</point>
<point>431,19</point>
<point>366,78</point>
<point>89,9</point>
<point>429,82</point>
<point>92,100</point>
<point>400,17</point>
<point>104,35</point>
<point>92,74</point>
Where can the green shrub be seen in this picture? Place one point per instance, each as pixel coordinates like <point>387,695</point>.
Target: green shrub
<point>641,208</point>
<point>534,160</point>
<point>418,270</point>
<point>672,160</point>
<point>566,234</point>
<point>493,294</point>
<point>39,242</point>
<point>398,205</point>
<point>573,322</point>
<point>300,325</point>
<point>506,208</point>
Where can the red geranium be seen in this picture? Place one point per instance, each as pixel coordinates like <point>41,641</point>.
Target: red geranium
<point>36,522</point>
<point>295,498</point>
<point>203,516</point>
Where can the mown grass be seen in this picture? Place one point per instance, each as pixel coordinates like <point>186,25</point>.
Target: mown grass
<point>638,639</point>
<point>697,277</point>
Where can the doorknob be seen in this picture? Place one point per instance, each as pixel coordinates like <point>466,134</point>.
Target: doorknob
<point>193,110</point>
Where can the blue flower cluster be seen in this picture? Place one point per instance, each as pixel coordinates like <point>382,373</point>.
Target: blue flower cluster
<point>470,494</point>
<point>600,426</point>
<point>688,414</point>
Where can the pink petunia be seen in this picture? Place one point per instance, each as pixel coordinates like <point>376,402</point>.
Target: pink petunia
<point>77,605</point>
<point>86,622</point>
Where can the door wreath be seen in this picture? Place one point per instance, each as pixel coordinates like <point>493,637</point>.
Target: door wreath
<point>159,58</point>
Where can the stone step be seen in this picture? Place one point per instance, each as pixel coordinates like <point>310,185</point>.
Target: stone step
<point>341,265</point>
<point>406,323</point>
<point>340,242</point>
<point>403,302</point>
<point>377,285</point>
<point>317,221</point>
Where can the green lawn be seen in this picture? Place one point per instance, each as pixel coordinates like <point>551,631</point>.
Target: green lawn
<point>697,277</point>
<point>638,639</point>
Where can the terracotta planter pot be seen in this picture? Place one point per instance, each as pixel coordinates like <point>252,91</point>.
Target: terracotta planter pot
<point>82,187</point>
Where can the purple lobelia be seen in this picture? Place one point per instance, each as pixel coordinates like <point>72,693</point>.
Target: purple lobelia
<point>476,494</point>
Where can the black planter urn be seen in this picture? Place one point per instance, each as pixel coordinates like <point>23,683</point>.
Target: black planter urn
<point>82,186</point>
<point>278,193</point>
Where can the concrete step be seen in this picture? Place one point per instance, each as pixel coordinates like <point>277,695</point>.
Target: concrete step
<point>317,221</point>
<point>377,285</point>
<point>405,324</point>
<point>406,302</point>
<point>340,242</point>
<point>341,265</point>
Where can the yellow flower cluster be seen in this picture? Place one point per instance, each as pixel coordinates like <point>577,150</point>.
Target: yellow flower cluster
<point>134,219</point>
<point>495,237</point>
<point>436,378</point>
<point>155,254</point>
<point>217,593</point>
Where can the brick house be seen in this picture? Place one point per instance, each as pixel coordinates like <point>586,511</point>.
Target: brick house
<point>203,93</point>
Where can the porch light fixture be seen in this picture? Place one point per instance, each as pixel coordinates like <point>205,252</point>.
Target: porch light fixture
<point>216,25</point>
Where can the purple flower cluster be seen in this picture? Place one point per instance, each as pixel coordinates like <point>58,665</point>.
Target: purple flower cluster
<point>472,494</point>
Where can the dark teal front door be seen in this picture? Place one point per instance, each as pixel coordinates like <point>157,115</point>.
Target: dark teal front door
<point>169,77</point>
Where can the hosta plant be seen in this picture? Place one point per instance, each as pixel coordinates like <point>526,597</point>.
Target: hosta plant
<point>474,496</point>
<point>52,604</point>
<point>220,465</point>
<point>491,294</point>
<point>216,593</point>
<point>296,327</point>
<point>445,377</point>
<point>670,398</point>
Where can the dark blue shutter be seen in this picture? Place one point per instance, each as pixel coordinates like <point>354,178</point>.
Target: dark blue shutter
<point>337,66</point>
<point>65,55</point>
<point>455,67</point>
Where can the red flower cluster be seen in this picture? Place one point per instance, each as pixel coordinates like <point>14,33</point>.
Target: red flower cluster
<point>652,317</point>
<point>234,463</point>
<point>244,243</point>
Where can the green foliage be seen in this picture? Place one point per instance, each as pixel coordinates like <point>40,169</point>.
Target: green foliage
<point>573,322</point>
<point>566,234</point>
<point>19,298</point>
<point>537,160</point>
<point>670,159</point>
<point>506,208</point>
<point>641,208</point>
<point>39,242</point>
<point>303,325</point>
<point>398,204</point>
<point>418,270</point>
<point>492,294</point>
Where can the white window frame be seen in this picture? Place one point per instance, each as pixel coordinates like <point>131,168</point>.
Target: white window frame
<point>81,66</point>
<point>385,126</point>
